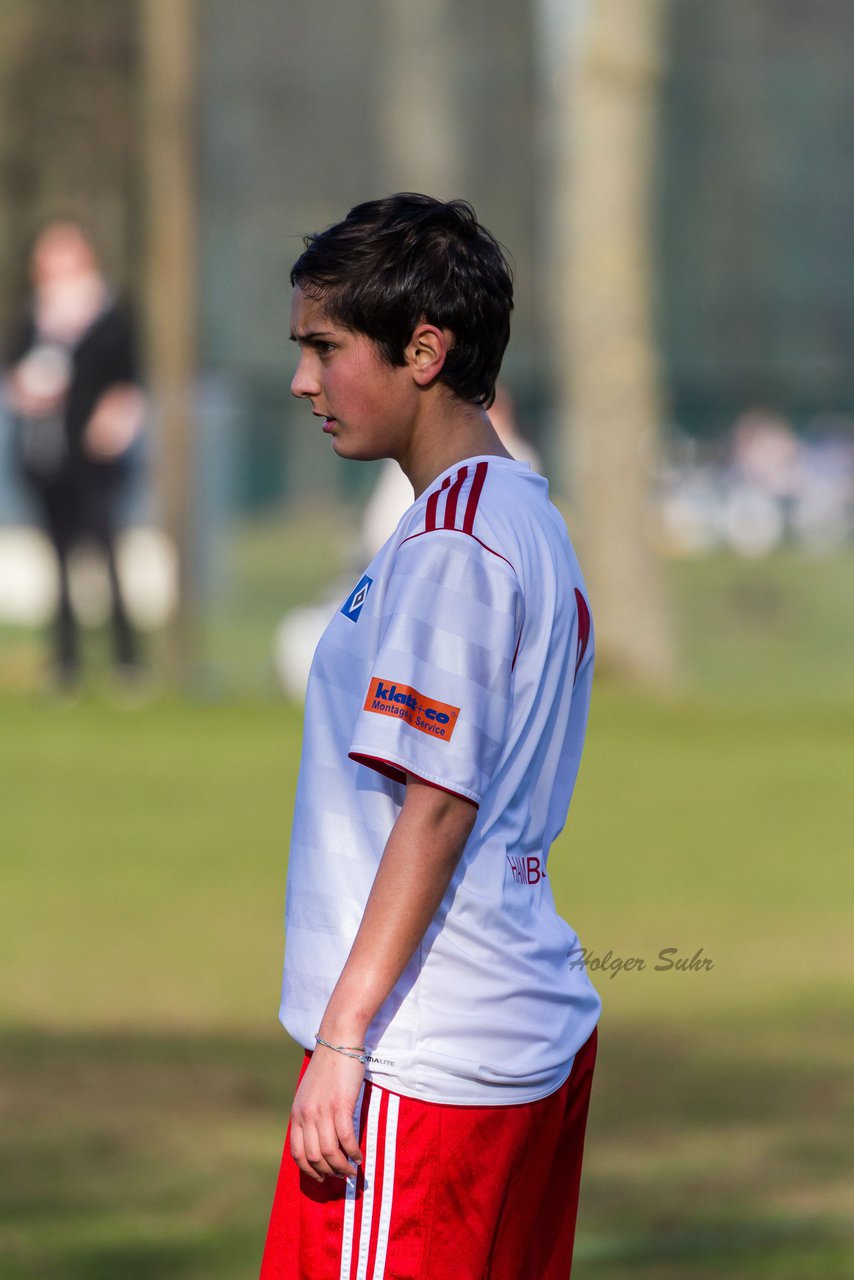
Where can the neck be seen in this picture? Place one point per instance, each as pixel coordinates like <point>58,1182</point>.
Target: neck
<point>447,432</point>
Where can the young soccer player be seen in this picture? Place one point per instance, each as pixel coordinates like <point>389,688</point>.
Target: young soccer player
<point>450,1031</point>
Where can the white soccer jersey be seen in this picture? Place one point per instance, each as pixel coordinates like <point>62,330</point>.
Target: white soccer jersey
<point>464,655</point>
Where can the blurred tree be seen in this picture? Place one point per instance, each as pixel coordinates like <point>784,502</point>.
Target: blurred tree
<point>609,384</point>
<point>69,142</point>
<point>170,102</point>
<point>419,133</point>
<point>756,221</point>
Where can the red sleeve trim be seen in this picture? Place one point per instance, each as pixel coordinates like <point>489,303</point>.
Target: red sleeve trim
<point>390,770</point>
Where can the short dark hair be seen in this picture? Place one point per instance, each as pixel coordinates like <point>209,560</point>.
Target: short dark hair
<point>408,258</point>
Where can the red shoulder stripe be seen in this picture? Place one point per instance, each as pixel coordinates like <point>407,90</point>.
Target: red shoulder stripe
<point>474,496</point>
<point>433,504</point>
<point>453,495</point>
<point>583,628</point>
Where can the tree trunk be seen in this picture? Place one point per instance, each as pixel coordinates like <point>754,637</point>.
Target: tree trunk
<point>169,109</point>
<point>418,125</point>
<point>609,386</point>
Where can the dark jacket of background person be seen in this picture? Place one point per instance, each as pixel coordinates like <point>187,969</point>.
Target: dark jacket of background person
<point>51,452</point>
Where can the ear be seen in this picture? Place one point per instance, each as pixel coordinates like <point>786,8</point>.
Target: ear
<point>426,352</point>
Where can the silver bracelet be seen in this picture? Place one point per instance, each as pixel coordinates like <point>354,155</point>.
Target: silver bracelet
<point>358,1052</point>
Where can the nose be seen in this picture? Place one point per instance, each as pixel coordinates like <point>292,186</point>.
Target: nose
<point>304,384</point>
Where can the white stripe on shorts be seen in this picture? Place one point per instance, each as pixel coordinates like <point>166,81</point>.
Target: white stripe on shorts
<point>388,1185</point>
<point>374,1160</point>
<point>370,1154</point>
<point>350,1205</point>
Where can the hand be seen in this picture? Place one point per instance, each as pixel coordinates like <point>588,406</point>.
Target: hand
<point>115,423</point>
<point>323,1136</point>
<point>34,397</point>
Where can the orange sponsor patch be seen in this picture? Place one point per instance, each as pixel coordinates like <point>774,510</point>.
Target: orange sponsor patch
<point>437,719</point>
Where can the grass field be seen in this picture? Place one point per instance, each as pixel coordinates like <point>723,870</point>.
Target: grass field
<point>145,1084</point>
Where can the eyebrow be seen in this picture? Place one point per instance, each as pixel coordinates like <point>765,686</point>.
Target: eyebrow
<point>312,335</point>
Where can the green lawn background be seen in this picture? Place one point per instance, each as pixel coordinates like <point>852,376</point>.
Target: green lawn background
<point>144,1081</point>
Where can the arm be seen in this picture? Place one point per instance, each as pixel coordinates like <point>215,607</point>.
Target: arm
<point>26,401</point>
<point>115,423</point>
<point>419,859</point>
<point>32,396</point>
<point>119,412</point>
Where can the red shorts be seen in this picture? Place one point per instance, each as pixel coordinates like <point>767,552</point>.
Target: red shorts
<point>444,1193</point>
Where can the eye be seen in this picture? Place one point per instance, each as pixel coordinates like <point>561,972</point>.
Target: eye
<point>325,348</point>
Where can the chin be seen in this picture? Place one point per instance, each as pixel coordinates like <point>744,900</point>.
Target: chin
<point>355,453</point>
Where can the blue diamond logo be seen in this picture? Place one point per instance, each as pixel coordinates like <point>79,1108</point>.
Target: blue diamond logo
<point>352,606</point>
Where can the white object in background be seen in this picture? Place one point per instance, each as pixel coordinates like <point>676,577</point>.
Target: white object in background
<point>690,513</point>
<point>148,569</point>
<point>753,522</point>
<point>27,577</point>
<point>28,585</point>
<point>295,641</point>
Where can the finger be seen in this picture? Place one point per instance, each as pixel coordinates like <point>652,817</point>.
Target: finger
<point>331,1153</point>
<point>298,1153</point>
<point>345,1129</point>
<point>314,1155</point>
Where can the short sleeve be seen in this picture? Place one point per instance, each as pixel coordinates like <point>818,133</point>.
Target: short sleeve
<point>438,699</point>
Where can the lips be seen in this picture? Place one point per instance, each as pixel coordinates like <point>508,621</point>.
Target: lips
<point>328,422</point>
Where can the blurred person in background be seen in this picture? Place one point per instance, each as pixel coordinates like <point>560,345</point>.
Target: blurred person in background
<point>73,391</point>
